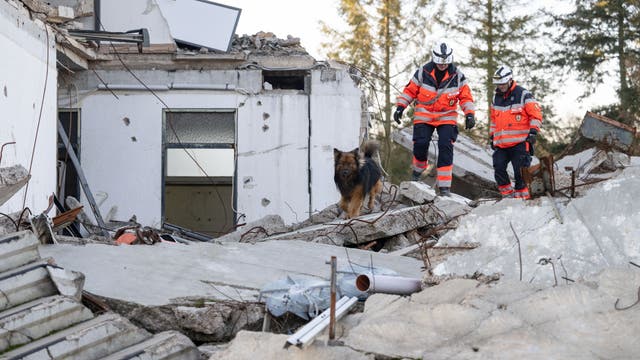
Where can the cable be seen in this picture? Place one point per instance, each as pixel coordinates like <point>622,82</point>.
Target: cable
<point>35,140</point>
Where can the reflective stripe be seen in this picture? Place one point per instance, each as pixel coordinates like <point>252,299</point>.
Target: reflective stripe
<point>468,106</point>
<point>535,123</point>
<point>418,165</point>
<point>428,87</point>
<point>505,190</point>
<point>514,141</point>
<point>445,175</point>
<point>508,108</point>
<point>435,118</point>
<point>404,96</point>
<point>422,111</point>
<point>522,194</point>
<point>511,133</point>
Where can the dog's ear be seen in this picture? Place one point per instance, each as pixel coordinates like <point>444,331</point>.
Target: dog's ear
<point>356,151</point>
<point>336,153</point>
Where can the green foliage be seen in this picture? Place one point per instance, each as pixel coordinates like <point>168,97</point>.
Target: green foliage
<point>596,37</point>
<point>378,31</point>
<point>499,37</point>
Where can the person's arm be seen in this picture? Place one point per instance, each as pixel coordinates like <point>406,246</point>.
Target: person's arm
<point>410,91</point>
<point>533,110</point>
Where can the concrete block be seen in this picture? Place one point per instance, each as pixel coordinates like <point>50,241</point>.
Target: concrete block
<point>18,249</point>
<point>417,191</point>
<point>68,283</point>
<point>89,340</point>
<point>162,346</point>
<point>608,131</point>
<point>24,284</point>
<point>35,319</point>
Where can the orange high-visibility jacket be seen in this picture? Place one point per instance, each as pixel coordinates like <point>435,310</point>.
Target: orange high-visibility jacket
<point>513,115</point>
<point>436,105</point>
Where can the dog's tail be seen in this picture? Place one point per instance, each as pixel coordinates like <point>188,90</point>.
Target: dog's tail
<point>370,147</point>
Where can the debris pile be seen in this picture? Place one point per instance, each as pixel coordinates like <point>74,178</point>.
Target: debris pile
<point>266,43</point>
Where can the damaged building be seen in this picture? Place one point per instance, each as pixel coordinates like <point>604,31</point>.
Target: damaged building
<point>175,126</point>
<point>143,118</point>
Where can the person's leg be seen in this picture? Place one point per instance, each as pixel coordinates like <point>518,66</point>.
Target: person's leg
<point>500,162</point>
<point>520,159</point>
<point>447,135</point>
<point>421,137</point>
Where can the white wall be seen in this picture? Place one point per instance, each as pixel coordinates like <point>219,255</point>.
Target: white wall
<point>273,163</point>
<point>24,69</point>
<point>335,119</point>
<point>125,15</point>
<point>272,140</point>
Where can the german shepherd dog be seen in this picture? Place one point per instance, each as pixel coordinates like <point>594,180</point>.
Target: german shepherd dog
<point>356,177</point>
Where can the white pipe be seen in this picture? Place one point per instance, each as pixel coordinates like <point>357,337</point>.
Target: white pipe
<point>388,284</point>
<point>137,87</point>
<point>182,86</point>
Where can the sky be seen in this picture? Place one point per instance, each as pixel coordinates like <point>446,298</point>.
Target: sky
<point>301,18</point>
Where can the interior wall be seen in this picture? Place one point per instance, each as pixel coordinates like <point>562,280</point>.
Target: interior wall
<point>28,88</point>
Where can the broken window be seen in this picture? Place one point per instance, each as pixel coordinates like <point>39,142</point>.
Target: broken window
<point>199,163</point>
<point>286,80</point>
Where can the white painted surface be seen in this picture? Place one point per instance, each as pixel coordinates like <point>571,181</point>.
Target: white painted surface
<point>125,15</point>
<point>335,123</point>
<point>272,132</point>
<point>201,22</point>
<point>22,88</point>
<point>272,156</point>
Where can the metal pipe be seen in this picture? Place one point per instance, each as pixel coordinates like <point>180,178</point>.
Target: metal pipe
<point>388,284</point>
<point>132,87</point>
<point>332,305</point>
<point>183,86</point>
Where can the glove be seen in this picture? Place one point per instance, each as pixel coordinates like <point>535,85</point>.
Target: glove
<point>469,121</point>
<point>531,139</point>
<point>493,147</point>
<point>398,114</point>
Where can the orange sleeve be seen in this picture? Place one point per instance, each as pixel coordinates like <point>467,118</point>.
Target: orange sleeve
<point>466,100</point>
<point>532,108</point>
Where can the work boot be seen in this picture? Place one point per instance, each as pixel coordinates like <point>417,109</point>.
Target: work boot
<point>415,175</point>
<point>445,191</point>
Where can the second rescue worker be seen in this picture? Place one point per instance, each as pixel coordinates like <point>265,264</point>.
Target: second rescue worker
<point>515,120</point>
<point>437,88</point>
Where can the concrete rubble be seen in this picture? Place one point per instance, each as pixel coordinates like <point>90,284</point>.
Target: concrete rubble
<point>42,314</point>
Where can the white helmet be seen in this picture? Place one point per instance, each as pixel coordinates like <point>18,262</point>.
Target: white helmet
<point>502,75</point>
<point>442,53</point>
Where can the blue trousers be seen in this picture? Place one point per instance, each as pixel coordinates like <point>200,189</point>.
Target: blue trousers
<point>447,135</point>
<point>519,158</point>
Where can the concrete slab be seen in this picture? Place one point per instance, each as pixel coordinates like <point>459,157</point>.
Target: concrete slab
<point>38,318</point>
<point>166,345</point>
<point>379,225</point>
<point>230,271</point>
<point>91,339</point>
<point>18,249</point>
<point>25,283</point>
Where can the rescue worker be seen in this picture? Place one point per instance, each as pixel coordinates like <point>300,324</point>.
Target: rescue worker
<point>437,88</point>
<point>515,120</point>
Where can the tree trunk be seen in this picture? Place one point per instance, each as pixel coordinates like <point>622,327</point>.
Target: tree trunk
<point>490,64</point>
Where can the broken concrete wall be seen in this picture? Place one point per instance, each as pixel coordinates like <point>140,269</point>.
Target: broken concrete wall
<point>27,103</point>
<point>335,122</point>
<point>272,136</point>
